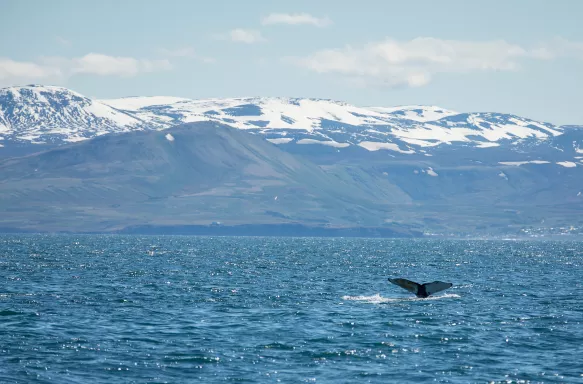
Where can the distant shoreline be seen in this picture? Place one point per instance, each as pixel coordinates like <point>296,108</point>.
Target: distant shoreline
<point>283,230</point>
<point>286,230</point>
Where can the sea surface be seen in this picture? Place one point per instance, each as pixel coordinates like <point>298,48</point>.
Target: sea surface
<point>179,309</point>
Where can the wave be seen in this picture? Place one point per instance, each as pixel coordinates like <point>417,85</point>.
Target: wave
<point>378,299</point>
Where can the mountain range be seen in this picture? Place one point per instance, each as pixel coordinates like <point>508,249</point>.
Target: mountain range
<point>164,162</point>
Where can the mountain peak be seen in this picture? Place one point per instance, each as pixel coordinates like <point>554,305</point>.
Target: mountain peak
<point>37,113</point>
<point>51,114</point>
<point>39,88</point>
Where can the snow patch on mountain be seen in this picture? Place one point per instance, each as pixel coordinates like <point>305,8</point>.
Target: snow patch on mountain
<point>375,146</point>
<point>519,163</point>
<point>567,164</point>
<point>134,103</point>
<point>487,145</point>
<point>106,112</point>
<point>420,113</point>
<point>330,143</point>
<point>431,172</point>
<point>281,140</point>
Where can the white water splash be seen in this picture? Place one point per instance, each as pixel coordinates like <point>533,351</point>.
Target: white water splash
<point>378,299</point>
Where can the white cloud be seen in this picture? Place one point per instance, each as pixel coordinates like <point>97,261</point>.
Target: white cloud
<point>154,65</point>
<point>413,63</point>
<point>104,65</point>
<point>559,48</point>
<point>185,52</point>
<point>295,19</point>
<point>247,36</point>
<point>10,69</point>
<point>60,68</point>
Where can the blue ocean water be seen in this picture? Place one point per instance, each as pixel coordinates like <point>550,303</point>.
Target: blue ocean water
<point>178,309</point>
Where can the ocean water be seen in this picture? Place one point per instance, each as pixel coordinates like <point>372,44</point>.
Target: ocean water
<point>178,309</point>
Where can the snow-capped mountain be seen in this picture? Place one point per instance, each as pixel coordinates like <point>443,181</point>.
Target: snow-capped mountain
<point>40,114</point>
<point>413,163</point>
<point>275,112</point>
<point>47,114</point>
<point>318,126</point>
<point>340,124</point>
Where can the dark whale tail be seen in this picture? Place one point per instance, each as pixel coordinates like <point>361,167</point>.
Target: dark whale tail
<point>421,290</point>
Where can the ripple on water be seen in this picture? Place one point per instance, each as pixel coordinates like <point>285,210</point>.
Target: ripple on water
<point>106,309</point>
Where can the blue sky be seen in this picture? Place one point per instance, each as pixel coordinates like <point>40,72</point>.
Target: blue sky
<point>521,57</point>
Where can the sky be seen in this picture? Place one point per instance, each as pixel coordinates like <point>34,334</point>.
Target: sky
<point>520,57</point>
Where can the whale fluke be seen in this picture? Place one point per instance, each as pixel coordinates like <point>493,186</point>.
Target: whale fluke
<point>421,290</point>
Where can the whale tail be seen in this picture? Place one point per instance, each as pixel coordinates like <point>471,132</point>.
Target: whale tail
<point>421,290</point>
